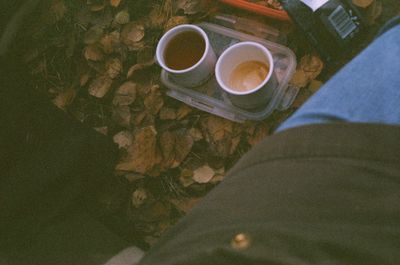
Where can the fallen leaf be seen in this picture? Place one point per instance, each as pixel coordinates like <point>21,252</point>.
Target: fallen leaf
<point>299,79</point>
<point>132,33</point>
<point>93,53</point>
<point>312,66</point>
<point>123,139</point>
<point>139,196</point>
<point>154,101</point>
<point>115,3</point>
<point>122,17</point>
<point>125,94</point>
<point>58,9</point>
<point>110,43</point>
<point>93,35</point>
<point>122,116</point>
<point>260,133</point>
<point>185,204</point>
<point>175,21</point>
<point>186,178</point>
<point>113,67</point>
<point>65,98</point>
<point>100,86</point>
<point>363,3</point>
<point>315,85</point>
<point>175,146</point>
<point>103,130</point>
<point>137,67</point>
<point>203,174</point>
<point>167,114</point>
<point>190,7</point>
<point>183,111</point>
<point>156,18</point>
<point>143,154</point>
<point>196,134</point>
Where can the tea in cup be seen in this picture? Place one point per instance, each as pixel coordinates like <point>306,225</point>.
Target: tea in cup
<point>186,54</point>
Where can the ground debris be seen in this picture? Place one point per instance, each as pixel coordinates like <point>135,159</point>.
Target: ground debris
<point>95,59</point>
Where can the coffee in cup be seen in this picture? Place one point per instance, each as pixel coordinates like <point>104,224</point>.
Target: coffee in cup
<point>245,71</point>
<point>186,54</point>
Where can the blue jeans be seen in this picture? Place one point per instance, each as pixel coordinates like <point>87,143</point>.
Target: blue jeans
<point>367,90</point>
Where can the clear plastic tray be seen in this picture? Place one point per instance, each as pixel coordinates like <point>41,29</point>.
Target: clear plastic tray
<point>211,98</point>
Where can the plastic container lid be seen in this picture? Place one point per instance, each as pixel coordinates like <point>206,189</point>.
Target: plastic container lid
<point>211,98</point>
<point>259,9</point>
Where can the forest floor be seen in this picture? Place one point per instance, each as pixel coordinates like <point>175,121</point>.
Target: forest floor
<point>95,60</point>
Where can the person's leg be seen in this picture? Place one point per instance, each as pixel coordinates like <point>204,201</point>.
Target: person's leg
<point>367,90</point>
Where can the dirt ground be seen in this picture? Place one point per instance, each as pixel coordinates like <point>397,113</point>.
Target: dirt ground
<point>95,60</point>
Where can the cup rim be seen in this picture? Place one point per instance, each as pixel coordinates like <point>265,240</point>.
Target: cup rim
<point>161,48</point>
<point>228,51</point>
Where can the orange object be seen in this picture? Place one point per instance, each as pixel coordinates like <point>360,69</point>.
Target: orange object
<point>259,9</point>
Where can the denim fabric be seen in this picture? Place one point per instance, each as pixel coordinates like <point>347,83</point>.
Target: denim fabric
<point>367,90</point>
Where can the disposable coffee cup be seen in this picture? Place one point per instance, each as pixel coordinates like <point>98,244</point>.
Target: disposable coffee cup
<point>185,53</point>
<point>245,71</point>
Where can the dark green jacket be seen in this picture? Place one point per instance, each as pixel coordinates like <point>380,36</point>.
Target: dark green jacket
<point>321,194</point>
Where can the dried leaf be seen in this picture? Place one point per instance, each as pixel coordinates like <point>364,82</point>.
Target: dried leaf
<point>156,18</point>
<point>103,130</point>
<point>261,132</point>
<point>221,134</point>
<point>190,7</point>
<point>175,146</point>
<point>315,85</point>
<point>93,35</point>
<point>185,204</point>
<point>93,53</point>
<point>58,9</point>
<point>183,111</point>
<point>100,86</point>
<point>98,6</point>
<point>299,79</point>
<point>125,94</point>
<point>138,67</point>
<point>196,134</point>
<point>312,66</point>
<point>143,154</point>
<point>186,178</point>
<point>113,67</point>
<point>122,116</point>
<point>122,17</point>
<point>167,114</point>
<point>154,101</point>
<point>115,3</point>
<point>363,3</point>
<point>84,79</point>
<point>110,43</point>
<point>203,174</point>
<point>139,196</point>
<point>65,98</point>
<point>175,21</point>
<point>132,33</point>
<point>123,139</point>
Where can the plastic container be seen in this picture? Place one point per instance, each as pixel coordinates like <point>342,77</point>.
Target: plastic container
<point>211,98</point>
<point>259,9</point>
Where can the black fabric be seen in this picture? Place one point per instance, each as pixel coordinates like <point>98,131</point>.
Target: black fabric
<point>51,166</point>
<point>320,194</point>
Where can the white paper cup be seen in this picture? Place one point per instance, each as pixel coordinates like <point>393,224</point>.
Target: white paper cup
<point>236,55</point>
<point>198,73</point>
